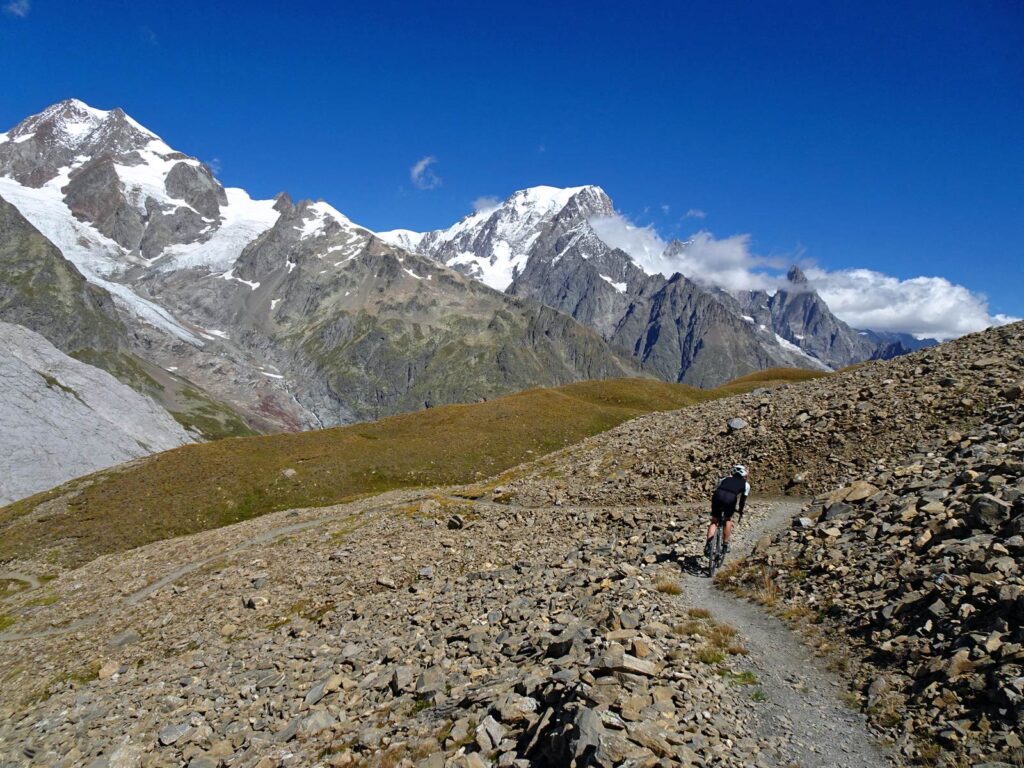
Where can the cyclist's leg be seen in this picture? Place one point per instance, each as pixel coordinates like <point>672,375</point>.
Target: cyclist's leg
<point>716,519</point>
<point>727,531</point>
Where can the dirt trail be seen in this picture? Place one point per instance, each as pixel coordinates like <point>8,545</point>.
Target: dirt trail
<point>802,698</point>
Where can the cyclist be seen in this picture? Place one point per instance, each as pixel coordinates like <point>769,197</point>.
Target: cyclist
<point>729,498</point>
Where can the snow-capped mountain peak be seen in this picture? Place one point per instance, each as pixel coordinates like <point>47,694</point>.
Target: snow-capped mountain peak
<point>494,244</point>
<point>72,130</point>
<point>113,196</point>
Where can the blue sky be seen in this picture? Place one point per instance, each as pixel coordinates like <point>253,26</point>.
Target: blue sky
<point>888,136</point>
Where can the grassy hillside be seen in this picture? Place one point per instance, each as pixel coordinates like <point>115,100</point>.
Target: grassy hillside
<point>203,486</point>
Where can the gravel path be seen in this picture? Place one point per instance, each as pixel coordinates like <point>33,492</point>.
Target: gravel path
<point>802,698</point>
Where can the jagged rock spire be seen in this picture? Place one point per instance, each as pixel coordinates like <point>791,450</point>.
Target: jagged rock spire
<point>796,276</point>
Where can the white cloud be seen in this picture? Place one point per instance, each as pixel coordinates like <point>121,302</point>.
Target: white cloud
<point>923,306</point>
<point>422,175</point>
<point>642,243</point>
<point>695,213</point>
<point>485,203</point>
<point>665,208</point>
<point>19,8</point>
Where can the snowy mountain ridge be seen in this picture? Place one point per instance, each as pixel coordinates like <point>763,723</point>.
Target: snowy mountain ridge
<point>492,245</point>
<point>294,316</point>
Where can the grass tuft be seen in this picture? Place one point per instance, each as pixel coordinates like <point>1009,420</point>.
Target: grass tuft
<point>708,654</point>
<point>669,587</point>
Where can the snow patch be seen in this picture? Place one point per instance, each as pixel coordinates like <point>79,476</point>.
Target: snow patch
<point>512,230</point>
<point>322,214</point>
<point>229,275</point>
<point>791,347</point>
<point>620,287</point>
<point>242,221</point>
<point>749,319</point>
<point>403,238</point>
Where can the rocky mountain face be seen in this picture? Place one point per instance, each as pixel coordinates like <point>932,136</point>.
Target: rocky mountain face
<point>42,291</point>
<point>359,328</point>
<point>798,315</point>
<point>540,243</point>
<point>61,418</point>
<point>288,312</point>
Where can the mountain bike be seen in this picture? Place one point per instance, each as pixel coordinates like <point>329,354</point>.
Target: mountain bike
<point>716,552</point>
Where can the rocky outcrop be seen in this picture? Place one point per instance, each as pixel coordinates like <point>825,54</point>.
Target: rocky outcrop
<point>61,418</point>
<point>917,567</point>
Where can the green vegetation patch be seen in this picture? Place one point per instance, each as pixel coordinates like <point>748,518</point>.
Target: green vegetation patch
<point>56,386</point>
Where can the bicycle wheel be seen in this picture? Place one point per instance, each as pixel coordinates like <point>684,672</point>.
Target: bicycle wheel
<point>716,553</point>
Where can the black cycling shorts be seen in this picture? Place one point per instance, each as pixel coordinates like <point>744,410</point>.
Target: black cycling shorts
<point>720,514</point>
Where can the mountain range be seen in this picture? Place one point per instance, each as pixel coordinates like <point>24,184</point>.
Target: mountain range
<point>240,315</point>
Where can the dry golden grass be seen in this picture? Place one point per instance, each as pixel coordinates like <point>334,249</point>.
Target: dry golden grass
<point>198,487</point>
<point>689,628</point>
<point>669,587</point>
<point>774,375</point>
<point>766,591</point>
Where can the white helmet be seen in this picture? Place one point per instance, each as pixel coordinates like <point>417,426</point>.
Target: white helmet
<point>740,470</point>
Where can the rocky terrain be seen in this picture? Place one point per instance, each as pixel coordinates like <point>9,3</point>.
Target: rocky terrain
<point>406,630</point>
<point>559,614</point>
<point>918,567</point>
<point>62,418</point>
<point>803,438</point>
